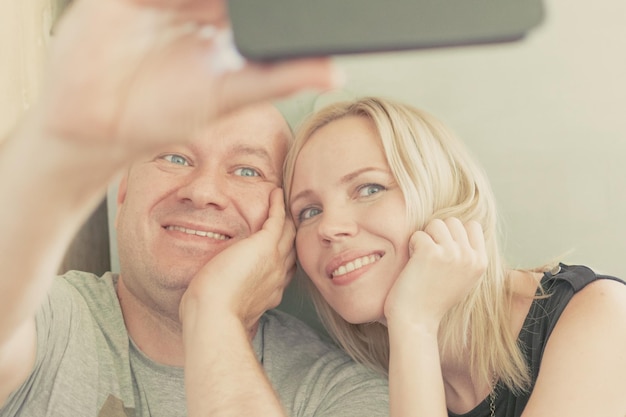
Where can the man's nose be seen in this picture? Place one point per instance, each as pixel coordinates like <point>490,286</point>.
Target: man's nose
<point>204,188</point>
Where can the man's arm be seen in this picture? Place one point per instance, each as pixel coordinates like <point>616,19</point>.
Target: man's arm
<point>124,77</point>
<point>220,312</point>
<point>17,356</point>
<point>223,377</point>
<point>46,203</point>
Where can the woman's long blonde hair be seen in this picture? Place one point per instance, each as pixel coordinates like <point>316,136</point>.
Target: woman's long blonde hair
<point>438,179</point>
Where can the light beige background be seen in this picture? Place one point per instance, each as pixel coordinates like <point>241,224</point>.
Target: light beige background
<point>546,117</point>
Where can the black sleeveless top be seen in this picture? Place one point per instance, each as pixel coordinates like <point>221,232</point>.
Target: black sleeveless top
<point>538,325</point>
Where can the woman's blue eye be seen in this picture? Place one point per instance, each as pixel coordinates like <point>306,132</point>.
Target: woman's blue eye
<point>176,159</point>
<point>247,172</point>
<point>308,213</point>
<point>370,189</point>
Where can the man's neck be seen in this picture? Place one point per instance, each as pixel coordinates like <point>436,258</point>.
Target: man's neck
<point>157,335</point>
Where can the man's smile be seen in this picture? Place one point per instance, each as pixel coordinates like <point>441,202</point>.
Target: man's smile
<point>210,235</point>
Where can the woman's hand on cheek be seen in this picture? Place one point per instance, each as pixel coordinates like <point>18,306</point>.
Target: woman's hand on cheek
<point>446,261</point>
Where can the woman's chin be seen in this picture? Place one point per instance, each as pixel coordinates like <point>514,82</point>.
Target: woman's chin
<point>362,317</point>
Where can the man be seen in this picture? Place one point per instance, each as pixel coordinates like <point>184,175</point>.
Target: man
<point>204,246</point>
<point>194,224</point>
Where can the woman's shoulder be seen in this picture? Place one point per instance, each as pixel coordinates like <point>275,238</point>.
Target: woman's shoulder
<point>574,288</point>
<point>598,294</point>
<point>578,361</point>
<point>576,277</point>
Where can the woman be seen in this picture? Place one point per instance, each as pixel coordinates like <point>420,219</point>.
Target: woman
<point>397,230</point>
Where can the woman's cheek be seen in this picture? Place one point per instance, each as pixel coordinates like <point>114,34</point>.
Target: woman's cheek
<point>305,252</point>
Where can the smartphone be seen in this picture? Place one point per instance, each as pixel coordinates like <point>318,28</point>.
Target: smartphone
<point>266,30</point>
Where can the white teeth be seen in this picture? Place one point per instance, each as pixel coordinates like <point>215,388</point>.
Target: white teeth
<point>210,235</point>
<point>355,264</point>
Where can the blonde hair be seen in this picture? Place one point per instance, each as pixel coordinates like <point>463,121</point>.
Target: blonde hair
<point>438,179</point>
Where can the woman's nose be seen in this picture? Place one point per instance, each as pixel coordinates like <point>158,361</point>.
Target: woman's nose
<point>337,224</point>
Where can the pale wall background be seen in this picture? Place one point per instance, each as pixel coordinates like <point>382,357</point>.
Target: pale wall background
<point>545,116</point>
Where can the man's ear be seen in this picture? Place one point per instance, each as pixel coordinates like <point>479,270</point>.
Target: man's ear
<point>121,196</point>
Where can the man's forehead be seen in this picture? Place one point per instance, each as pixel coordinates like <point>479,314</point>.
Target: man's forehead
<point>264,113</point>
<point>258,126</point>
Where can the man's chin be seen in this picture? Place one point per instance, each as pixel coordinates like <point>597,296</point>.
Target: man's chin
<point>176,277</point>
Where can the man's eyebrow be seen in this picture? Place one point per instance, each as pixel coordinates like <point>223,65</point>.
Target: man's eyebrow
<point>257,151</point>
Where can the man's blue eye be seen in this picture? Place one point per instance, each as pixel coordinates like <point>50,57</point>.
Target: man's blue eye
<point>308,213</point>
<point>247,172</point>
<point>176,159</point>
<point>370,189</point>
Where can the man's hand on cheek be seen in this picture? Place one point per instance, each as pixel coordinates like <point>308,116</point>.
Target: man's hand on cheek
<point>246,279</point>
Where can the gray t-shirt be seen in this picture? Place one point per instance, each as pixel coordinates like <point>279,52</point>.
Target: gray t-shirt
<point>87,365</point>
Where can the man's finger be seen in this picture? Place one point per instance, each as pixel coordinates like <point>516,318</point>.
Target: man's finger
<point>257,82</point>
<point>191,10</point>
<point>274,224</point>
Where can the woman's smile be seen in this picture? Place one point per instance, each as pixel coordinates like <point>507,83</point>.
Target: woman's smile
<point>352,228</point>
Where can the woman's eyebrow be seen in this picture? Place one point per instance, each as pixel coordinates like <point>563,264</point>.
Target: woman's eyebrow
<point>355,174</point>
<point>302,195</point>
<point>342,180</point>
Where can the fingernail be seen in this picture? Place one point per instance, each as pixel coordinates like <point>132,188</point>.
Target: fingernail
<point>225,56</point>
<point>207,32</point>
